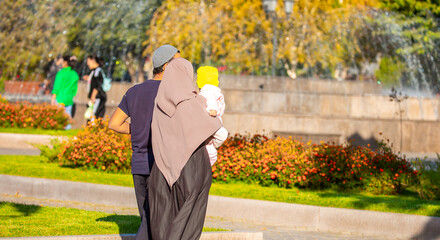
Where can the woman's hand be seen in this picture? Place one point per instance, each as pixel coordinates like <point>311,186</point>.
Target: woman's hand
<point>212,113</point>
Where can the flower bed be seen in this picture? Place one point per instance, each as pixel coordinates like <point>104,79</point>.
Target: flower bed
<point>97,147</point>
<point>26,115</point>
<point>287,163</point>
<point>259,160</point>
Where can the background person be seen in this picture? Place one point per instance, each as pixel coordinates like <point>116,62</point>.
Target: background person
<point>138,104</point>
<point>66,86</point>
<point>51,70</point>
<point>96,95</point>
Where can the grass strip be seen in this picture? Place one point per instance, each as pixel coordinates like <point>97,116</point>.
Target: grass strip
<point>18,220</point>
<point>409,203</point>
<point>36,166</point>
<point>69,133</point>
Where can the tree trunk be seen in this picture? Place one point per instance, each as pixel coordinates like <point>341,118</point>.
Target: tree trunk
<point>141,63</point>
<point>131,67</point>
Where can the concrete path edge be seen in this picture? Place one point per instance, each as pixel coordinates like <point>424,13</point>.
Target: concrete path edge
<point>205,236</point>
<point>26,141</point>
<point>324,219</point>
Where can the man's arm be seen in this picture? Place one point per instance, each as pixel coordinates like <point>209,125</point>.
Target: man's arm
<point>118,122</point>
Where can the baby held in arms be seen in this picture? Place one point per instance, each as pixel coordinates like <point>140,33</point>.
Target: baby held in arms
<point>207,81</point>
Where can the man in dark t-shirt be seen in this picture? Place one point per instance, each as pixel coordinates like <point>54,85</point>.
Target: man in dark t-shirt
<point>138,104</point>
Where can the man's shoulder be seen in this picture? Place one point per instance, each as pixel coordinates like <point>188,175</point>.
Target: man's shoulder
<point>150,83</point>
<point>147,86</point>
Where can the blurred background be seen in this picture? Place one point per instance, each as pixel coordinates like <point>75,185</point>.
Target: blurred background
<point>320,70</point>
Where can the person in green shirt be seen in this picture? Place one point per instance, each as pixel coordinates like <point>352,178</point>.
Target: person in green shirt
<point>66,86</point>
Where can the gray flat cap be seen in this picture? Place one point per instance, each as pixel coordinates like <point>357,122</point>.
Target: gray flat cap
<point>163,54</point>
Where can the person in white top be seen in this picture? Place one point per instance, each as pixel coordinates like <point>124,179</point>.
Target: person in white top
<point>207,81</point>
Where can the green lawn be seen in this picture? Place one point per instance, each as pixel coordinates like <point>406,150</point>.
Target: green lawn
<point>17,220</point>
<point>69,133</point>
<point>409,203</point>
<point>36,166</point>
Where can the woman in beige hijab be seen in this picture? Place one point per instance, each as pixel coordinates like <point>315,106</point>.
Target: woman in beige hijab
<point>181,177</point>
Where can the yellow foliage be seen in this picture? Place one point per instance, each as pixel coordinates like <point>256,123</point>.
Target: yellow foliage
<point>238,33</point>
<point>221,31</point>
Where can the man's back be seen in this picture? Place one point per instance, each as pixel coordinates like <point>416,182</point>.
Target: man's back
<point>138,104</point>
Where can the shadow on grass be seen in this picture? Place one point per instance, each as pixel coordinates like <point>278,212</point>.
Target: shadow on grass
<point>405,202</point>
<point>127,224</point>
<point>431,229</point>
<point>25,210</point>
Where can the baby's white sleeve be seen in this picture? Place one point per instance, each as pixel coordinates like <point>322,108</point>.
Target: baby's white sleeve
<point>221,105</point>
<point>211,100</point>
<point>211,103</point>
<point>219,137</point>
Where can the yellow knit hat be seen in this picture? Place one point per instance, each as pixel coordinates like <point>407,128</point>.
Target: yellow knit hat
<point>207,75</point>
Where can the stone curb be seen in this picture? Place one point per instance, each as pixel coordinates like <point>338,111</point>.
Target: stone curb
<point>68,191</point>
<point>205,236</point>
<point>323,219</point>
<point>25,141</point>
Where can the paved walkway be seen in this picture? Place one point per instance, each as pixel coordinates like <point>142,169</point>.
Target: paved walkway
<point>17,151</point>
<point>280,233</point>
<point>270,232</point>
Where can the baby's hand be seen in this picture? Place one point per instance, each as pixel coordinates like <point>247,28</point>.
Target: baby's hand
<point>212,113</point>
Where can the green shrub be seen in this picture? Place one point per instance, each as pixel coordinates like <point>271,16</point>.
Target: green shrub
<point>52,150</point>
<point>429,185</point>
<point>390,71</point>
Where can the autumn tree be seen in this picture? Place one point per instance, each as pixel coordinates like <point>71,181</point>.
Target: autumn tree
<point>34,31</point>
<point>320,34</point>
<point>232,33</point>
<point>113,29</point>
<point>239,33</point>
<point>415,41</point>
<point>30,33</point>
<point>319,38</point>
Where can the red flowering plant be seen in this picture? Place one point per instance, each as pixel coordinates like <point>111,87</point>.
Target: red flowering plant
<point>380,171</point>
<point>96,146</point>
<point>26,115</point>
<point>287,163</point>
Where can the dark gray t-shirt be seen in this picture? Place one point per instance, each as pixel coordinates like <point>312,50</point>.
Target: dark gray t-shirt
<point>138,104</point>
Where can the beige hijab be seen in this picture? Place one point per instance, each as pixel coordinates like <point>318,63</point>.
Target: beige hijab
<point>180,121</point>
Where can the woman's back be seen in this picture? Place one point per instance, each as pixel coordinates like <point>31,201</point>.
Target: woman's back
<point>66,86</point>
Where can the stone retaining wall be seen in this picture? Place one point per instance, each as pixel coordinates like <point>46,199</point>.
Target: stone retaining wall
<point>315,110</point>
